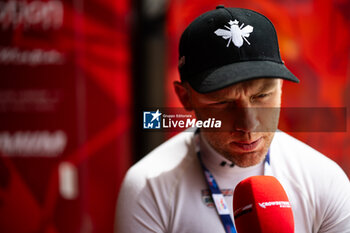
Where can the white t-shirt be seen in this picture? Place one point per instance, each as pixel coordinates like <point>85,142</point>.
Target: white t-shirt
<point>166,191</point>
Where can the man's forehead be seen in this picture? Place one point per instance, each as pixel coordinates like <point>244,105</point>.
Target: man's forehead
<point>254,85</point>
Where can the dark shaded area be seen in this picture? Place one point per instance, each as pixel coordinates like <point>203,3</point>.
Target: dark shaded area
<point>148,73</point>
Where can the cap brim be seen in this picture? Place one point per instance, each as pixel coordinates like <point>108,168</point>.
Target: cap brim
<point>227,75</point>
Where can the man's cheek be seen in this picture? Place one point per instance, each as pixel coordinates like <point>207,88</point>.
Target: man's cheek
<point>268,118</point>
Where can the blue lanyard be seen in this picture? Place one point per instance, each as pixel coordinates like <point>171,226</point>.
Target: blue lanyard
<point>216,194</point>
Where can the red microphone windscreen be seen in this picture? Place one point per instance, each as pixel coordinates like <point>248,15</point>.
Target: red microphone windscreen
<point>261,205</point>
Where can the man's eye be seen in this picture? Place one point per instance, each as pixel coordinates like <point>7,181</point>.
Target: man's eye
<point>219,103</point>
<point>223,102</point>
<point>261,96</point>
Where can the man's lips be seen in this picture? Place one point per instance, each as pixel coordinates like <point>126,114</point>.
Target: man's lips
<point>247,146</point>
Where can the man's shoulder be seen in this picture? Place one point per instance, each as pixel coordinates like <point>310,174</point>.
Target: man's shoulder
<point>164,158</point>
<point>299,156</point>
<point>295,149</point>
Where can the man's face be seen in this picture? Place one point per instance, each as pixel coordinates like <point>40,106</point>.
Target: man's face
<point>250,113</point>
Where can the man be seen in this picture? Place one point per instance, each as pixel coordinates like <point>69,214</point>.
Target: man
<point>230,67</point>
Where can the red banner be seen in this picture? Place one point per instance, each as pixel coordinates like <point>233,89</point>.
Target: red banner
<point>64,114</point>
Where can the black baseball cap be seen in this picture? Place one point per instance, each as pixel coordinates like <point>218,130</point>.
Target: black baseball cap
<point>229,45</point>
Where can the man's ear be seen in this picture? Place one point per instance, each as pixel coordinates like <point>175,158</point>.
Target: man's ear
<point>184,95</point>
<point>281,84</point>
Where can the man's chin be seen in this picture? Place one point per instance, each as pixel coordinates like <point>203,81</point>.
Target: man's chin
<point>247,159</point>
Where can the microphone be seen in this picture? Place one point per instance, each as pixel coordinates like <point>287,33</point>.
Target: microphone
<point>260,205</point>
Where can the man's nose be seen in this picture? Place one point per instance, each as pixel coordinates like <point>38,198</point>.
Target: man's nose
<point>246,119</point>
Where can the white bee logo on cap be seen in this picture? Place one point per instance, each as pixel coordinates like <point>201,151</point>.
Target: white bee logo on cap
<point>234,33</point>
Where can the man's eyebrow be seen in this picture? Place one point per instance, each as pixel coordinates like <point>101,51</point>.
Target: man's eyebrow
<point>220,96</point>
<point>267,86</point>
